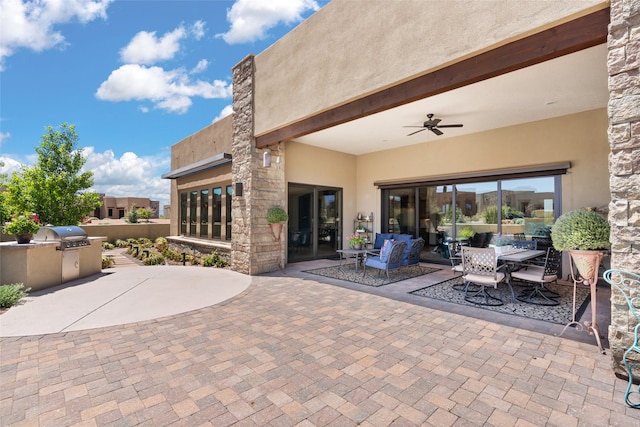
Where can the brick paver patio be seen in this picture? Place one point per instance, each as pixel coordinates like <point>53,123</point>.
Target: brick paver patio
<point>292,351</point>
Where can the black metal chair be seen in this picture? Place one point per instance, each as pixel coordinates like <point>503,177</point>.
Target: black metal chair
<point>413,257</point>
<point>539,276</point>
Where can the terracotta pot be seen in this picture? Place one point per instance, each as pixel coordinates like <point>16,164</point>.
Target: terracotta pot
<point>276,228</point>
<point>23,238</point>
<point>587,263</point>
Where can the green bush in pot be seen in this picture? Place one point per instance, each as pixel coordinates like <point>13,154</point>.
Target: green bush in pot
<point>277,215</point>
<point>580,230</point>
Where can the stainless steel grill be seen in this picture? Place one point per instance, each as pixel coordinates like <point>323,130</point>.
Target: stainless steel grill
<point>67,236</point>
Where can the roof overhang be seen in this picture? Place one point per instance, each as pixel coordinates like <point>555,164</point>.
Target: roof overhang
<point>203,165</point>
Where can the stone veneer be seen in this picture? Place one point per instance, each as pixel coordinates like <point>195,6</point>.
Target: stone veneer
<point>624,161</point>
<point>254,249</point>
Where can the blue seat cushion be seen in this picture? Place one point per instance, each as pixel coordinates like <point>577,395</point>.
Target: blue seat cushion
<point>385,251</point>
<point>380,238</point>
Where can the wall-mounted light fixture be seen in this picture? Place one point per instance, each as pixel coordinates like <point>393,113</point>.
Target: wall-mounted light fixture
<point>238,189</point>
<point>266,158</point>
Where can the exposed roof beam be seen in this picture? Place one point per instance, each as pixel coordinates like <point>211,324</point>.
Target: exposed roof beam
<point>573,36</point>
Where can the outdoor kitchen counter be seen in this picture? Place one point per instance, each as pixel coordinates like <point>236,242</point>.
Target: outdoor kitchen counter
<point>38,265</point>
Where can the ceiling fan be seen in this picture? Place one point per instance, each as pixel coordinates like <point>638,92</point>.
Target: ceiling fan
<point>432,125</point>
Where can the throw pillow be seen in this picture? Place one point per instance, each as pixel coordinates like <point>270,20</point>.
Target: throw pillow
<point>385,251</point>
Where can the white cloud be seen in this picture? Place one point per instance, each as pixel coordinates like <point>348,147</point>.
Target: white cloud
<point>129,175</point>
<point>197,29</point>
<point>224,113</point>
<point>146,48</point>
<point>4,136</point>
<point>251,19</point>
<point>10,166</point>
<point>200,67</point>
<point>169,90</point>
<point>30,24</point>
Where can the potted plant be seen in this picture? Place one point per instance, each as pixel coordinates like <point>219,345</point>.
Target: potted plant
<point>22,227</point>
<point>581,232</point>
<point>276,217</point>
<point>357,241</point>
<point>502,243</point>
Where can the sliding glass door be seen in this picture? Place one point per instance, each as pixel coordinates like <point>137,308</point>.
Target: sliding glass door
<point>315,228</point>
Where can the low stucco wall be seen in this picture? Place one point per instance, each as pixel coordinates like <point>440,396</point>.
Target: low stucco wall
<point>112,232</point>
<point>39,265</point>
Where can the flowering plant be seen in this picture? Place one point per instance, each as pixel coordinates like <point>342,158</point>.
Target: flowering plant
<point>21,224</point>
<point>356,239</point>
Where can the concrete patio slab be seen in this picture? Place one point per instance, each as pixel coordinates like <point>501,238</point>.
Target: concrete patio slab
<point>121,296</point>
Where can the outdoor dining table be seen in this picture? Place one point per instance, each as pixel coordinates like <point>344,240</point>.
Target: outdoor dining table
<point>520,255</point>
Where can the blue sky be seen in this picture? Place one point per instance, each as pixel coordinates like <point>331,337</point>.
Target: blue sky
<point>133,76</point>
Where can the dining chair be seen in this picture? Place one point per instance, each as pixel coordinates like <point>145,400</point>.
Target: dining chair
<point>390,258</point>
<point>455,256</point>
<point>480,267</point>
<point>525,244</point>
<point>539,276</point>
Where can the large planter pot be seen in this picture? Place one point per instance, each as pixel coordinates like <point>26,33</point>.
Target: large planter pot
<point>587,263</point>
<point>23,238</point>
<point>276,228</point>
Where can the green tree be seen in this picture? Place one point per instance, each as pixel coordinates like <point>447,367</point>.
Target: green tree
<point>145,213</point>
<point>54,186</point>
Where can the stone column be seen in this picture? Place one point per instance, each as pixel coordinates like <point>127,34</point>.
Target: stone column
<point>254,249</point>
<point>623,63</point>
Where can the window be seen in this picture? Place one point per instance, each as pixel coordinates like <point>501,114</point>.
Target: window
<point>110,213</point>
<point>183,213</point>
<point>193,214</point>
<point>204,213</point>
<point>228,212</point>
<point>216,213</point>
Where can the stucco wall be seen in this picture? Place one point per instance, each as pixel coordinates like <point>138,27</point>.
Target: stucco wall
<point>316,166</point>
<point>579,138</point>
<point>207,142</point>
<point>358,40</point>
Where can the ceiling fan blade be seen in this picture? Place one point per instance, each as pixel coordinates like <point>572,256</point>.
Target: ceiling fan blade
<point>436,131</point>
<point>450,126</point>
<point>413,133</point>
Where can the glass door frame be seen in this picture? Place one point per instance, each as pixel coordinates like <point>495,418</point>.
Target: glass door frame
<point>315,222</point>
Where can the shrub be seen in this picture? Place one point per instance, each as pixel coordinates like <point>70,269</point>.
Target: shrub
<point>582,230</point>
<point>11,294</point>
<point>277,215</point>
<point>144,242</point>
<point>172,255</point>
<point>132,216</point>
<point>214,260</point>
<point>467,232</point>
<point>107,261</point>
<point>107,246</point>
<point>121,243</point>
<point>154,259</point>
<point>161,244</point>
<point>490,214</point>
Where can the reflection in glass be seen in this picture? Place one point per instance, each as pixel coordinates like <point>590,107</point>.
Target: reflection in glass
<point>204,213</point>
<point>183,213</point>
<point>193,213</point>
<point>528,206</point>
<point>216,213</point>
<point>228,212</point>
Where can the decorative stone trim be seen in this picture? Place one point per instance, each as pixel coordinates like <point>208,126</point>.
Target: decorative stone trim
<point>623,64</point>
<point>253,248</point>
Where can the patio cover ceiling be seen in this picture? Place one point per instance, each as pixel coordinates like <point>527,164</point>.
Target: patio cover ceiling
<point>555,73</point>
<point>566,85</point>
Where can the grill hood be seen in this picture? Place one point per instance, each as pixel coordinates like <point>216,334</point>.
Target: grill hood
<point>68,236</point>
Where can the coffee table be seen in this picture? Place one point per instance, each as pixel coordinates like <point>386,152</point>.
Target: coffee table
<point>358,254</point>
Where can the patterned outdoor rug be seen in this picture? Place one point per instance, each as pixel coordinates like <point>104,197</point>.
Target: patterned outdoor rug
<point>372,278</point>
<point>560,314</point>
